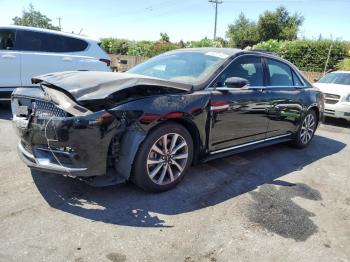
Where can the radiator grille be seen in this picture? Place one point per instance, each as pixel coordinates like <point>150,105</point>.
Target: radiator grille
<point>331,98</point>
<point>23,106</point>
<point>47,109</point>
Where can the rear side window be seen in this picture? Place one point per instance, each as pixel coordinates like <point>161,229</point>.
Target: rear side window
<point>44,42</point>
<point>280,73</point>
<point>74,45</point>
<point>7,39</point>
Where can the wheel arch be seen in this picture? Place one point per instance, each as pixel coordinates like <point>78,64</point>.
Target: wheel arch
<point>317,111</point>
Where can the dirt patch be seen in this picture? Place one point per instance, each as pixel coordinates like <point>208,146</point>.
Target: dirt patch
<point>274,209</point>
<point>116,257</point>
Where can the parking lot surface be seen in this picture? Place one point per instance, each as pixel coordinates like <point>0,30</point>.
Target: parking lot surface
<point>272,204</point>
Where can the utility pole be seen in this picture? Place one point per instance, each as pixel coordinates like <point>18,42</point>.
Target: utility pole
<point>216,2</point>
<point>326,65</point>
<point>59,22</point>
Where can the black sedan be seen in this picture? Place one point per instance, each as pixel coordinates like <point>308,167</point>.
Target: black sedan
<point>150,124</point>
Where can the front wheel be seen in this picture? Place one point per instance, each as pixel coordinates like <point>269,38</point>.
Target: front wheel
<point>306,130</point>
<point>163,158</point>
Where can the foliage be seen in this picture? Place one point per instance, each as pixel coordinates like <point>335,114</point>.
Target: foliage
<point>308,55</point>
<point>149,48</point>
<point>242,32</point>
<point>34,18</point>
<point>206,42</point>
<point>164,37</point>
<point>279,25</point>
<point>344,64</point>
<point>140,48</point>
<point>115,45</point>
<point>152,48</point>
<point>161,47</point>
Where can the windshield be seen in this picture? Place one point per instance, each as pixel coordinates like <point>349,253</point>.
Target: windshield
<point>185,67</point>
<point>336,78</point>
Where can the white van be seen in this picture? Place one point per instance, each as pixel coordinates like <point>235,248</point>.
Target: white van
<point>26,52</point>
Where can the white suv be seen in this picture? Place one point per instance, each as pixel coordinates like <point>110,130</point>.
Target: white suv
<point>26,52</point>
<point>336,89</point>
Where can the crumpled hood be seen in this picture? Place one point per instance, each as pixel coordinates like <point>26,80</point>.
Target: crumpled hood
<point>333,88</point>
<point>87,85</point>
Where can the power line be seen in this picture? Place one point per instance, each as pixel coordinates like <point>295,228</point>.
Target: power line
<point>216,2</point>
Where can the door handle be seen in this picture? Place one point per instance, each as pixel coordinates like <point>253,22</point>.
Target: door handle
<point>8,56</point>
<point>68,59</point>
<point>257,88</point>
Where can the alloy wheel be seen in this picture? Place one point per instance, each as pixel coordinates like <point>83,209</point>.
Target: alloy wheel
<point>167,159</point>
<point>307,129</point>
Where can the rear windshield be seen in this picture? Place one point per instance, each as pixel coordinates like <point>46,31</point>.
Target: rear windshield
<point>336,78</point>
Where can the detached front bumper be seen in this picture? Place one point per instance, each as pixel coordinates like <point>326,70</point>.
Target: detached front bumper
<point>46,164</point>
<point>53,142</point>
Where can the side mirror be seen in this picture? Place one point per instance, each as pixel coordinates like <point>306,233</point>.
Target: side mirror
<point>316,79</point>
<point>236,82</point>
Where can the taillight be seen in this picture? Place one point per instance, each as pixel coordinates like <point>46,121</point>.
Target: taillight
<point>107,61</point>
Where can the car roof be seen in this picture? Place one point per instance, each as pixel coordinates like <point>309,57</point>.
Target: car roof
<point>36,29</point>
<point>229,52</point>
<point>340,71</point>
<point>226,51</point>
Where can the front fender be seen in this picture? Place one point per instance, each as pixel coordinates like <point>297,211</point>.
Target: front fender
<point>140,116</point>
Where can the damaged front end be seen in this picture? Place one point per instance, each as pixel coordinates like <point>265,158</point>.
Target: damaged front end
<point>61,131</point>
<point>61,136</point>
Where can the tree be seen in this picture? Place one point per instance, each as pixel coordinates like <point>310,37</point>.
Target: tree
<point>279,25</point>
<point>34,18</point>
<point>242,32</point>
<point>164,37</point>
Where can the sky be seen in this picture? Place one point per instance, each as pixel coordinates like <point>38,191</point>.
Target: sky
<point>181,19</point>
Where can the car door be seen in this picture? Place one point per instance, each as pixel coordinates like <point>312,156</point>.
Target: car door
<point>238,116</point>
<point>286,94</point>
<point>42,53</point>
<point>10,60</point>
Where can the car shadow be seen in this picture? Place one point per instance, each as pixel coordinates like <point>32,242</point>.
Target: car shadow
<point>336,122</point>
<point>205,185</point>
<point>5,110</point>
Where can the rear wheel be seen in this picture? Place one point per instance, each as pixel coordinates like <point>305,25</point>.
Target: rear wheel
<point>306,130</point>
<point>163,158</point>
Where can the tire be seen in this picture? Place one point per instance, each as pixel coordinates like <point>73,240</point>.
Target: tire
<point>156,170</point>
<point>306,130</point>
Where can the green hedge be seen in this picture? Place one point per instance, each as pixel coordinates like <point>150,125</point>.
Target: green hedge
<point>152,48</point>
<point>136,48</point>
<point>344,65</point>
<point>308,55</point>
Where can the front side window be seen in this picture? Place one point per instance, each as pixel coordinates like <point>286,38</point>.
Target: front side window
<point>248,67</point>
<point>280,73</point>
<point>7,39</point>
<point>296,79</point>
<point>185,67</point>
